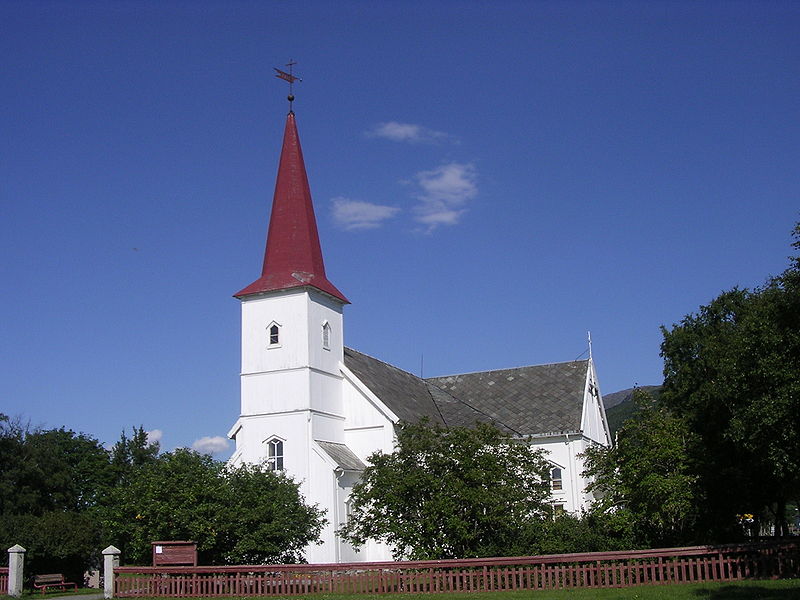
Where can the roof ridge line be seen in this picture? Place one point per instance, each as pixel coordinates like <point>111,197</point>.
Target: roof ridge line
<point>563,362</point>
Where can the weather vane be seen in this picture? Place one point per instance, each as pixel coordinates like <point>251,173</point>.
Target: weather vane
<point>290,78</point>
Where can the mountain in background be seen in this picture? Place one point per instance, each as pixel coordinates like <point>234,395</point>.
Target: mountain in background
<point>620,406</point>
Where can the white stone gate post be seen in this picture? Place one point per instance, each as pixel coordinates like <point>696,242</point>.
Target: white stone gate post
<point>110,560</point>
<point>16,559</point>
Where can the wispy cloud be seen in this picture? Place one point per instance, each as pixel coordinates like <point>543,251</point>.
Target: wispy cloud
<point>357,214</point>
<point>211,445</point>
<point>444,194</point>
<point>407,132</point>
<point>154,435</point>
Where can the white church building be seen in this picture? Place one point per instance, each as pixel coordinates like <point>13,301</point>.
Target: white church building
<point>316,409</point>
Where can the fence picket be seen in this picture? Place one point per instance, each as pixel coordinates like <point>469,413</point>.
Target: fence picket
<point>589,570</point>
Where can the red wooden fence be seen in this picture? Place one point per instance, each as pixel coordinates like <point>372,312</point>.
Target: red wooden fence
<point>593,569</point>
<point>3,580</point>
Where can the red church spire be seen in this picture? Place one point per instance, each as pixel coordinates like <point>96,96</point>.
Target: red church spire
<point>293,257</point>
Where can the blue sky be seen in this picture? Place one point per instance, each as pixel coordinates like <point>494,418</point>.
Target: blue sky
<point>491,179</point>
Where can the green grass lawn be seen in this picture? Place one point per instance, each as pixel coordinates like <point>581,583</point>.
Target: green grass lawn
<point>746,590</point>
<point>786,589</point>
<point>31,594</point>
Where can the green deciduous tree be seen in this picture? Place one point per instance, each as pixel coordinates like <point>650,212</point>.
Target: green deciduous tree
<point>50,470</point>
<point>15,494</point>
<point>451,493</point>
<point>733,370</point>
<point>266,520</point>
<point>71,470</point>
<point>239,515</point>
<point>65,542</point>
<point>50,482</point>
<point>130,453</point>
<point>647,476</point>
<point>589,532</point>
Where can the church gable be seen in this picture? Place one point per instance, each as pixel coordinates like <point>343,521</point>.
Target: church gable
<point>594,423</point>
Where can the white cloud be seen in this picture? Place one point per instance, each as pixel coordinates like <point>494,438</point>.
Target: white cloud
<point>211,445</point>
<point>356,214</point>
<point>406,132</point>
<point>444,194</point>
<point>154,435</point>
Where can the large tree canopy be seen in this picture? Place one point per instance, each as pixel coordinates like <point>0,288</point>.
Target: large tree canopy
<point>50,470</point>
<point>50,480</point>
<point>450,493</point>
<point>647,476</point>
<point>243,515</point>
<point>65,542</point>
<point>63,497</point>
<point>732,370</point>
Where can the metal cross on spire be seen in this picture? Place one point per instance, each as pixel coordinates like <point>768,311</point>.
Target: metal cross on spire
<point>290,78</point>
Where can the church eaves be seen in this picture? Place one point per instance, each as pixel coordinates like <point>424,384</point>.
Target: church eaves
<point>293,256</point>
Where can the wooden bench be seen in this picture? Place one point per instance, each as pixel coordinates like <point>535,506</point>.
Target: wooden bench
<point>52,580</point>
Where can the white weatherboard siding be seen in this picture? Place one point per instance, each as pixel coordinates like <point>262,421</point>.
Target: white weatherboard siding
<point>369,424</point>
<point>292,390</point>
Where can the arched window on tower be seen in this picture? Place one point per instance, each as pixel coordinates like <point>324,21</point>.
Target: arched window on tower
<point>274,334</point>
<point>326,335</point>
<point>275,454</point>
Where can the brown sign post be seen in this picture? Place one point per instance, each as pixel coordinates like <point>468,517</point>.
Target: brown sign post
<point>174,553</point>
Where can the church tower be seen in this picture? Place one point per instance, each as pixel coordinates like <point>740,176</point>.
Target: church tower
<point>292,338</point>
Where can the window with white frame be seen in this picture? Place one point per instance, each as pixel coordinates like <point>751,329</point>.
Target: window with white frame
<point>326,335</point>
<point>274,334</point>
<point>275,454</point>
<point>556,482</point>
<point>348,511</point>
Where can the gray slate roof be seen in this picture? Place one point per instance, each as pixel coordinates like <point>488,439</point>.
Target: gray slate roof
<point>405,394</point>
<point>525,401</point>
<point>342,456</point>
<point>531,400</point>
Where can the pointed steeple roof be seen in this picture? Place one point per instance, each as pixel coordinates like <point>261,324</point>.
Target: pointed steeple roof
<point>293,257</point>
